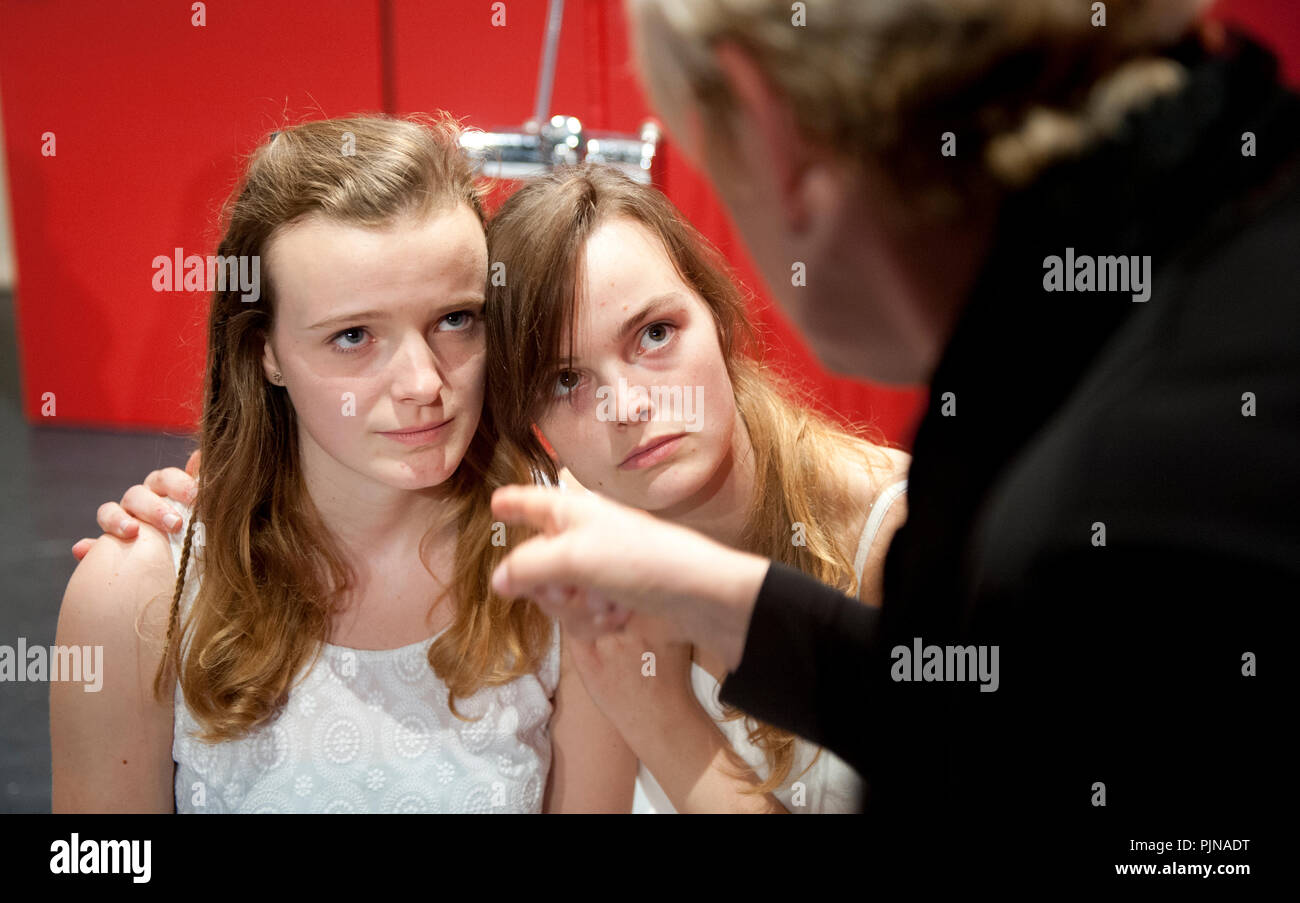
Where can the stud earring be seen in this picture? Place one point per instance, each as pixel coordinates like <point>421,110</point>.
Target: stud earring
<point>276,377</point>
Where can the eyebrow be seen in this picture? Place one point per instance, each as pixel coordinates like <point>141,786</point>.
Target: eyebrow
<point>355,316</point>
<point>352,317</point>
<point>631,322</point>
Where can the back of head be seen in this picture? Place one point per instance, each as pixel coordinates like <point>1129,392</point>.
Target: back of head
<point>1019,84</point>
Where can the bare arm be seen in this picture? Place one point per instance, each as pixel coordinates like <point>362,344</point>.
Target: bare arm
<point>592,767</point>
<point>697,767</point>
<point>644,685</point>
<point>111,748</point>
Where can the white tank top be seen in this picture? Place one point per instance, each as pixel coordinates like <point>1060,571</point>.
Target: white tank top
<point>831,784</point>
<point>370,731</point>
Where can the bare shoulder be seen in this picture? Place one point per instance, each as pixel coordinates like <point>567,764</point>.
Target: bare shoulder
<point>882,479</point>
<point>871,484</point>
<point>110,738</point>
<point>116,583</point>
<point>888,466</point>
<point>900,462</point>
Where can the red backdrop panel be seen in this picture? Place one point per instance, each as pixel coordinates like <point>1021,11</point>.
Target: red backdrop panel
<point>150,114</point>
<point>1274,22</point>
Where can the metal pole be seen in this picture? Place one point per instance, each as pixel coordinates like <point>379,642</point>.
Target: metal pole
<point>550,50</point>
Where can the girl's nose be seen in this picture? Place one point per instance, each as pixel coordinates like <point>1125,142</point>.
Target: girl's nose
<point>416,379</point>
<point>633,401</point>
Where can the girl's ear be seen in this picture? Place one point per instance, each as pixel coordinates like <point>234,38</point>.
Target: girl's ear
<point>269,364</point>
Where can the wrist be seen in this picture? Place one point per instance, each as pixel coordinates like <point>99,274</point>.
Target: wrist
<point>661,738</point>
<point>723,586</point>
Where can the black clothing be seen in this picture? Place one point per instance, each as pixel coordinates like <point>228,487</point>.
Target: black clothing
<point>1119,663</point>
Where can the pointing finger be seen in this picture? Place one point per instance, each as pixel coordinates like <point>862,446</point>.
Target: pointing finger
<point>535,506</point>
<point>539,561</point>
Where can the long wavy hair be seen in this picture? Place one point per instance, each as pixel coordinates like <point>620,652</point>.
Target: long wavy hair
<point>272,574</point>
<point>539,234</point>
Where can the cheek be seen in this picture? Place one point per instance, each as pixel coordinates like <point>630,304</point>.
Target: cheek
<point>573,436</point>
<point>334,409</point>
<point>333,396</point>
<point>470,380</point>
<point>706,379</point>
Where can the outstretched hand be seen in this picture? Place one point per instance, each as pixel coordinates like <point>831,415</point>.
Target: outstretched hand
<point>599,566</point>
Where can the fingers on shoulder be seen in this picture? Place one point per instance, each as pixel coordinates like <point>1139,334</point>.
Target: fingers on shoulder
<point>111,517</point>
<point>171,482</point>
<point>142,498</point>
<point>114,584</point>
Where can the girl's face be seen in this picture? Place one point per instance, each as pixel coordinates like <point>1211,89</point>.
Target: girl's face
<point>379,337</point>
<point>647,367</point>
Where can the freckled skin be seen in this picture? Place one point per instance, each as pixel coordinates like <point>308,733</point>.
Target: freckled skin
<point>626,266</point>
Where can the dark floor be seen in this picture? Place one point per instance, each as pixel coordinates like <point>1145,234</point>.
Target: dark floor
<point>51,482</point>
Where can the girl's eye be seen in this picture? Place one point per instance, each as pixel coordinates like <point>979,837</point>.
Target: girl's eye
<point>566,382</point>
<point>350,340</point>
<point>458,321</point>
<point>658,334</point>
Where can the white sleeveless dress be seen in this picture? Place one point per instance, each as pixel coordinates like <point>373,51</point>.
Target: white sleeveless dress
<point>831,784</point>
<point>370,731</point>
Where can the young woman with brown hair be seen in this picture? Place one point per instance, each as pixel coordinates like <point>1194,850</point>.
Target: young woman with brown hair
<point>618,332</point>
<point>306,663</point>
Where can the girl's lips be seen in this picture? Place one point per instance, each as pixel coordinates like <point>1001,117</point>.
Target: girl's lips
<point>654,454</point>
<point>418,435</point>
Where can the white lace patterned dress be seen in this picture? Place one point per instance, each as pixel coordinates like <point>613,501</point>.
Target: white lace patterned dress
<point>370,731</point>
<point>831,784</point>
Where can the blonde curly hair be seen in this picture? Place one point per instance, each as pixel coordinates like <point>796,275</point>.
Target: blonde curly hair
<point>1021,84</point>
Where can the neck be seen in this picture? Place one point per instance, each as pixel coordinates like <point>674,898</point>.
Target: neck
<point>942,291</point>
<point>922,270</point>
<point>371,520</point>
<point>720,507</point>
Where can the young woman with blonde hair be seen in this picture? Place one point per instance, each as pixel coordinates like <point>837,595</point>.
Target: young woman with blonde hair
<point>331,642</point>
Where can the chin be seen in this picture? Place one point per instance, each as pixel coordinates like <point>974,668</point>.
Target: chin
<point>417,474</point>
<point>412,481</point>
<point>673,483</point>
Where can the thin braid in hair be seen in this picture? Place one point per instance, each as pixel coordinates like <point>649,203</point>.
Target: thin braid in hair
<point>173,616</point>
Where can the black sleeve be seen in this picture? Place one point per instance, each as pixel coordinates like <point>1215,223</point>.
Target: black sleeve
<point>805,663</point>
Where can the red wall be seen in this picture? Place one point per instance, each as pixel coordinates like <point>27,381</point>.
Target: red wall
<point>151,113</point>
